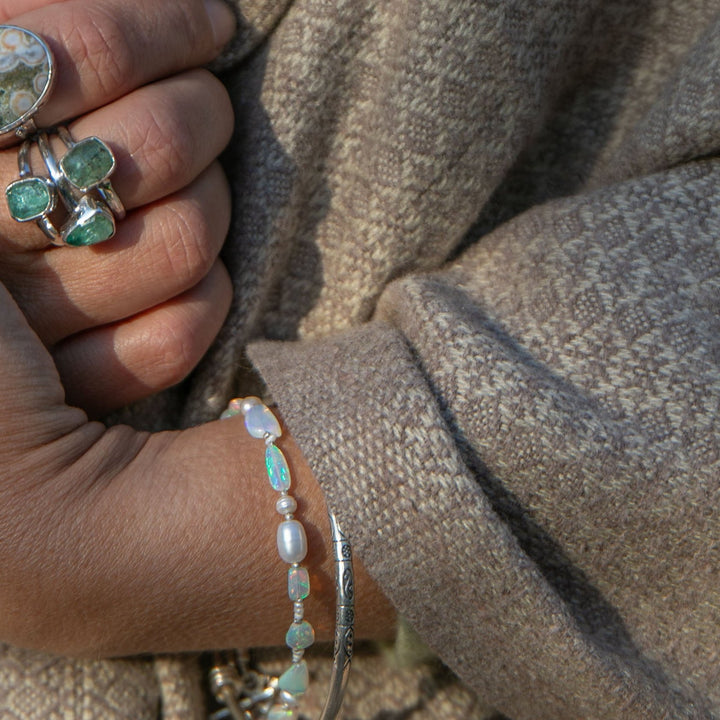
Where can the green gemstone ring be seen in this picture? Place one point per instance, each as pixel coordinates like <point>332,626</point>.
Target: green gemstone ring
<point>81,179</point>
<point>88,165</point>
<point>32,197</point>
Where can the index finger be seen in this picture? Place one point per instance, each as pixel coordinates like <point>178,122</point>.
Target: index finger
<point>104,49</point>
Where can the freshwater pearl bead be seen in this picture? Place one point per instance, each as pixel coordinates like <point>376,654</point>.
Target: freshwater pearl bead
<point>291,541</point>
<point>286,504</point>
<point>260,422</point>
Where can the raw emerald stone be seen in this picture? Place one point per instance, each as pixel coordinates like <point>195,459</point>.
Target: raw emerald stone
<point>277,468</point>
<point>295,679</point>
<point>28,199</point>
<point>95,229</point>
<point>88,163</point>
<point>298,583</point>
<point>300,635</point>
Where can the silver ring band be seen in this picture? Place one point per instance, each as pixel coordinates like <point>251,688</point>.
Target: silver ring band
<point>90,221</point>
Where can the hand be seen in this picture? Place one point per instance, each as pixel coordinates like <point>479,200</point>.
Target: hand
<point>113,541</point>
<point>117,542</point>
<point>131,317</point>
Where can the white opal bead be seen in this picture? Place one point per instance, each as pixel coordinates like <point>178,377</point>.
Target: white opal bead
<point>246,403</point>
<point>286,504</point>
<point>291,541</point>
<point>260,422</point>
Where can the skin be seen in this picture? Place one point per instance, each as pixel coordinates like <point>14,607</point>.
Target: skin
<point>114,541</point>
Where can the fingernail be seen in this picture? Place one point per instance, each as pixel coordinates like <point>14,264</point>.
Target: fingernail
<point>222,19</point>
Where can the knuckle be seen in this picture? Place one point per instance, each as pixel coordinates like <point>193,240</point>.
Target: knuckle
<point>188,248</point>
<point>168,143</point>
<point>101,49</point>
<point>174,351</point>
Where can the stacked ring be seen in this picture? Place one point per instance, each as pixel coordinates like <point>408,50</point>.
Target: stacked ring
<point>81,178</point>
<point>32,197</point>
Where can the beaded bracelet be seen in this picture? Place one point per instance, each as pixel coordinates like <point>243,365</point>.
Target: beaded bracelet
<point>277,698</point>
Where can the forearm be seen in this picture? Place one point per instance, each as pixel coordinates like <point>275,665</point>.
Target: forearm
<point>167,542</point>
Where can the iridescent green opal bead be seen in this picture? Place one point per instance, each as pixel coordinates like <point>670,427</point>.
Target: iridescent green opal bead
<point>295,679</point>
<point>277,468</point>
<point>300,635</point>
<point>298,583</point>
<point>282,713</point>
<point>29,198</point>
<point>88,163</point>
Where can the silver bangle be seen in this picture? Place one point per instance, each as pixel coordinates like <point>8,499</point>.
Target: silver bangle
<point>246,693</point>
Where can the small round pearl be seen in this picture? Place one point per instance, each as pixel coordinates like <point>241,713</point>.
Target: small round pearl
<point>291,541</point>
<point>286,504</point>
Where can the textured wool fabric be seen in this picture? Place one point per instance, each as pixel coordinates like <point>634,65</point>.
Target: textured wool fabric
<point>476,262</point>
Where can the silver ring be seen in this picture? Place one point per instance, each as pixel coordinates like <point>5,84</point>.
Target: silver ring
<point>32,197</point>
<point>27,76</point>
<point>90,221</point>
<point>88,165</point>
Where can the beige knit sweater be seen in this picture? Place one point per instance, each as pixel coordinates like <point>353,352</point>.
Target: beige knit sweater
<point>485,238</point>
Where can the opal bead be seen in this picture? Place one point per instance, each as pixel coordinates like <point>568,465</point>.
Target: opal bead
<point>282,713</point>
<point>246,403</point>
<point>277,468</point>
<point>286,504</point>
<point>298,583</point>
<point>295,679</point>
<point>300,635</point>
<point>291,541</point>
<point>236,405</point>
<point>260,422</point>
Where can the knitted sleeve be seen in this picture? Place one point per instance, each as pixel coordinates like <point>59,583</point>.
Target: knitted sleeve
<point>524,448</point>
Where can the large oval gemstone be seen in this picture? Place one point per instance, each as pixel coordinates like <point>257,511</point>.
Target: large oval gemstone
<point>25,75</point>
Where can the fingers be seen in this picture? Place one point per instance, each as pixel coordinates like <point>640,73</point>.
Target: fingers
<point>159,251</point>
<point>106,48</point>
<point>163,135</point>
<point>111,366</point>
